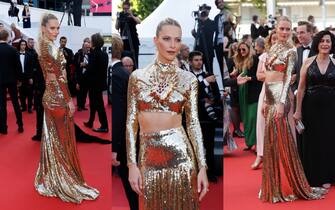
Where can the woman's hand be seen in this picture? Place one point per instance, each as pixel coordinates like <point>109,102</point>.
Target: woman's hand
<point>242,79</point>
<point>279,111</point>
<point>297,116</point>
<point>71,107</point>
<point>202,183</point>
<point>135,179</point>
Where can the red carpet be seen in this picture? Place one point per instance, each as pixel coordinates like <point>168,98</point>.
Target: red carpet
<point>241,186</point>
<point>212,201</point>
<point>19,157</point>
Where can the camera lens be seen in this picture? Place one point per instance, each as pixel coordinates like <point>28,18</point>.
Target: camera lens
<point>203,14</point>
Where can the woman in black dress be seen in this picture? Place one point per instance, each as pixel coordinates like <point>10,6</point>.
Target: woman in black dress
<point>26,16</point>
<point>315,106</point>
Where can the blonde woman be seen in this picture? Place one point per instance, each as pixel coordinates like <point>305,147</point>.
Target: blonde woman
<point>269,41</point>
<point>171,169</point>
<point>246,64</point>
<point>59,173</point>
<point>283,177</point>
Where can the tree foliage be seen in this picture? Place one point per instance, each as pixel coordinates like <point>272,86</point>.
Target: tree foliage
<point>259,4</point>
<point>143,8</point>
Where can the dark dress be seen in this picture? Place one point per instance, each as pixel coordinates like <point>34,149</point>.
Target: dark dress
<point>26,21</point>
<point>318,116</point>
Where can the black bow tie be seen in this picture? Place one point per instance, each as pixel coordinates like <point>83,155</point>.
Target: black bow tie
<point>306,48</point>
<point>22,53</point>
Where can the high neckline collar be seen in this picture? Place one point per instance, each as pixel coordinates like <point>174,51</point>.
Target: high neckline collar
<point>167,67</point>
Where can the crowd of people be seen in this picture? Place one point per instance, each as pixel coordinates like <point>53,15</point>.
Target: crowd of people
<point>279,81</point>
<point>85,72</point>
<point>13,12</point>
<point>45,80</point>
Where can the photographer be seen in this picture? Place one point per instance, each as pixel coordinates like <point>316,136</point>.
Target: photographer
<point>204,35</point>
<point>209,98</point>
<point>126,24</point>
<point>219,34</point>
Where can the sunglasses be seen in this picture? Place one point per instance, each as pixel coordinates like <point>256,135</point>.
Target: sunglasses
<point>242,50</point>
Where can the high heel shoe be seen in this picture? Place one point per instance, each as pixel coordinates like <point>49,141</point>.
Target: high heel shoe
<point>257,163</point>
<point>238,133</point>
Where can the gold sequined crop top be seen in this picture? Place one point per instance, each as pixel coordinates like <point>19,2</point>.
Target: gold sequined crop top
<point>52,61</point>
<point>281,58</point>
<point>163,88</point>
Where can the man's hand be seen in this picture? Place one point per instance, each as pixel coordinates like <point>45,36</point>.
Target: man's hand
<point>210,79</point>
<point>115,162</point>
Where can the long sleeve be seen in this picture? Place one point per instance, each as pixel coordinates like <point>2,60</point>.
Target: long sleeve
<point>62,79</point>
<point>132,121</point>
<point>291,58</point>
<point>193,125</point>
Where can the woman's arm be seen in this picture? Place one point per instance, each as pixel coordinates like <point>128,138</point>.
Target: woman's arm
<point>291,59</point>
<point>225,43</point>
<point>260,74</point>
<point>132,121</point>
<point>193,125</point>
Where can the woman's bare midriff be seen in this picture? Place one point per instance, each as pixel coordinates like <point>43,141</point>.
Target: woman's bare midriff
<point>274,76</point>
<point>157,121</point>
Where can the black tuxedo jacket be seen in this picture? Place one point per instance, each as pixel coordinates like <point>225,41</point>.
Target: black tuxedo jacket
<point>39,83</point>
<point>10,65</point>
<point>96,71</point>
<point>80,77</point>
<point>202,94</point>
<point>298,65</point>
<point>120,77</point>
<point>216,22</point>
<point>28,67</point>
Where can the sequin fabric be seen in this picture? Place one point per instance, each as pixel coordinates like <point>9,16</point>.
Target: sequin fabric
<point>169,159</point>
<point>59,173</point>
<point>283,177</point>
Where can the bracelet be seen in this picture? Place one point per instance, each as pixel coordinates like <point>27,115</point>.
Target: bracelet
<point>131,164</point>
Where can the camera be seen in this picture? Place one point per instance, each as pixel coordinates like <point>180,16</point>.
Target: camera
<point>203,11</point>
<point>271,21</point>
<point>122,16</point>
<point>211,111</point>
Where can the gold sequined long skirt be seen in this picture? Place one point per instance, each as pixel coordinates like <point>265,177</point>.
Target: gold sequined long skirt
<point>283,177</point>
<point>168,167</point>
<point>59,172</point>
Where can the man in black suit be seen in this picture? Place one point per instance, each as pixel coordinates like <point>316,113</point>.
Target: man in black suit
<point>97,83</point>
<point>120,78</point>
<point>305,37</point>
<point>208,97</point>
<point>68,54</point>
<point>26,87</point>
<point>254,27</point>
<point>10,73</point>
<point>81,62</point>
<point>38,89</point>
<point>218,39</point>
<point>204,37</point>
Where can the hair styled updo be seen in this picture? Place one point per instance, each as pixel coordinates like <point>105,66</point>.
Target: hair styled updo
<point>167,22</point>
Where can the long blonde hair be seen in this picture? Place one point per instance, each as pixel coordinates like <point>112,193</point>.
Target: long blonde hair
<point>243,63</point>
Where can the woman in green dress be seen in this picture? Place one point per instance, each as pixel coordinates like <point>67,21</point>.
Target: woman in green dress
<point>249,88</point>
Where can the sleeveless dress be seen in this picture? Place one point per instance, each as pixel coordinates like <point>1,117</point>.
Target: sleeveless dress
<point>318,115</point>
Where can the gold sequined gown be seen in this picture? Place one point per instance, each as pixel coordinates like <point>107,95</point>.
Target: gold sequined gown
<point>59,172</point>
<point>283,177</point>
<point>168,160</point>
